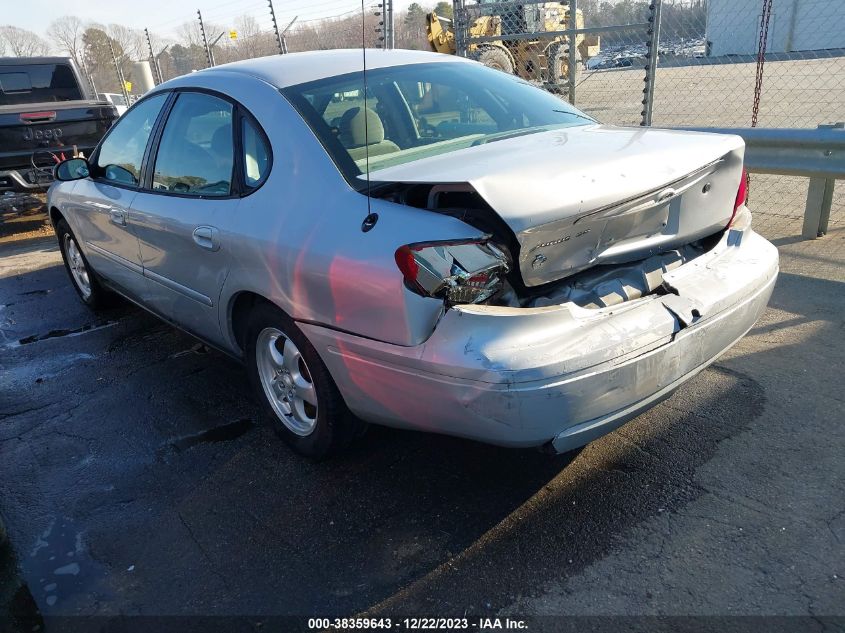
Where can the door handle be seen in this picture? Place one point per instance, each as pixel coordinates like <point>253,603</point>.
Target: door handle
<point>206,237</point>
<point>117,216</point>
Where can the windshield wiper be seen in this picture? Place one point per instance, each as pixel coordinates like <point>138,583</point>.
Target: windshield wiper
<point>504,136</point>
<point>577,114</point>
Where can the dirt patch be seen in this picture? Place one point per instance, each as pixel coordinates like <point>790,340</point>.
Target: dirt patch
<point>23,216</point>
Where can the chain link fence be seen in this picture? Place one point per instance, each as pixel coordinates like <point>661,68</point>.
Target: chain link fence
<point>707,72</point>
<point>573,53</point>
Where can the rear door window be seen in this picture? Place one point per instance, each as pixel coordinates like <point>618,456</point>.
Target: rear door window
<point>196,153</point>
<point>38,83</point>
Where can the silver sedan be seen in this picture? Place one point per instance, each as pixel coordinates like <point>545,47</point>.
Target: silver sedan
<point>427,244</point>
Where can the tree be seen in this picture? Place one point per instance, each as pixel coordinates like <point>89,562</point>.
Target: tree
<point>414,21</point>
<point>186,58</point>
<point>188,33</point>
<point>66,31</point>
<point>444,9</point>
<point>131,42</point>
<point>415,15</point>
<point>22,43</point>
<point>249,37</point>
<point>98,58</point>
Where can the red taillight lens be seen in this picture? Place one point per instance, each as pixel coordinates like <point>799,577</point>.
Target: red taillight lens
<point>463,271</point>
<point>741,195</point>
<point>31,117</point>
<point>407,264</point>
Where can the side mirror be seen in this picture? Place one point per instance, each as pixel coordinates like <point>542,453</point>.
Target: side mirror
<point>72,169</point>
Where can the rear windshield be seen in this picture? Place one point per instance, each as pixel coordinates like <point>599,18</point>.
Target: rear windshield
<point>422,110</point>
<point>37,83</point>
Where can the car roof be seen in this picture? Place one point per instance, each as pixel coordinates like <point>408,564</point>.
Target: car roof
<point>26,61</point>
<point>297,68</point>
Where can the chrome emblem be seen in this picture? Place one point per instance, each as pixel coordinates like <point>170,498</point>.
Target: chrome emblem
<point>561,240</point>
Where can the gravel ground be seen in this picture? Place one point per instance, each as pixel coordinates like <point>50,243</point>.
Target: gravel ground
<point>23,216</point>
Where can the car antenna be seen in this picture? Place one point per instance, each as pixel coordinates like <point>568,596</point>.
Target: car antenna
<point>371,219</point>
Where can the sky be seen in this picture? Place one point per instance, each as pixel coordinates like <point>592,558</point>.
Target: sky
<point>163,16</point>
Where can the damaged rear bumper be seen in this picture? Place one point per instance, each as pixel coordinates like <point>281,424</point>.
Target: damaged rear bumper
<point>559,374</point>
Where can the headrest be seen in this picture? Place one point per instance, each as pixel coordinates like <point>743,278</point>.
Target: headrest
<point>354,133</point>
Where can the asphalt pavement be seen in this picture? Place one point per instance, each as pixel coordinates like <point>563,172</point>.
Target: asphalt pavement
<point>134,480</point>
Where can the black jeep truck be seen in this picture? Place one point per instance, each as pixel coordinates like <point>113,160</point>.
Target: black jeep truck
<point>47,112</point>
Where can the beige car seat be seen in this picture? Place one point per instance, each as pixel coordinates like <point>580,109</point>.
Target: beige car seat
<point>359,135</point>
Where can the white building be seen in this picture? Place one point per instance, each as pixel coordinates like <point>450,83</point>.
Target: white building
<point>733,26</point>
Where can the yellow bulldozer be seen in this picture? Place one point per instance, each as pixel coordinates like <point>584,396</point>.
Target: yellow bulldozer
<point>539,59</point>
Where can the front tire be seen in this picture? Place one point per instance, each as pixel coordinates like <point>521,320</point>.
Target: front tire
<point>558,60</point>
<point>82,277</point>
<point>494,57</point>
<point>298,397</point>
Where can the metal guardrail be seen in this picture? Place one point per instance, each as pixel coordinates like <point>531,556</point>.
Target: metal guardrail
<point>818,154</point>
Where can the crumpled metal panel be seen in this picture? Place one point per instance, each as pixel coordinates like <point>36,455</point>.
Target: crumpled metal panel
<point>608,286</point>
<point>594,194</point>
<point>492,374</point>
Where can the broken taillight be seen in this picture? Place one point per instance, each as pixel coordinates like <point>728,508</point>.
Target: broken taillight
<point>462,271</point>
<point>741,195</point>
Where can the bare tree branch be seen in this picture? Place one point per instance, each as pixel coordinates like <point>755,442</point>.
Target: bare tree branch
<point>23,43</point>
<point>132,41</point>
<point>67,31</point>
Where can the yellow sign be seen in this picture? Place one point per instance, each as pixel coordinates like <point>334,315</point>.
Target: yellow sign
<point>233,35</point>
<point>128,86</point>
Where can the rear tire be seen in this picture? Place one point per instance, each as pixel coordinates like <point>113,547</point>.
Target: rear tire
<point>494,57</point>
<point>82,276</point>
<point>298,396</point>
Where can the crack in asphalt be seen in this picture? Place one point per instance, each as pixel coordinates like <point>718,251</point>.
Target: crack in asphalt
<point>12,414</point>
<point>205,554</point>
<point>61,333</point>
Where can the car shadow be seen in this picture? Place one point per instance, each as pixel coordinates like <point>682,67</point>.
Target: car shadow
<point>182,503</point>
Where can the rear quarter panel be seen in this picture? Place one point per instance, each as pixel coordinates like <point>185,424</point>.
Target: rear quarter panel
<point>297,240</point>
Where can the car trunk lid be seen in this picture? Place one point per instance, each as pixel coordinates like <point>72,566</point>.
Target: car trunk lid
<point>587,195</point>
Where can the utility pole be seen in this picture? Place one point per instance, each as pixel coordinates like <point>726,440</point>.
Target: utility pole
<point>119,72</point>
<point>158,64</point>
<point>279,40</point>
<point>153,59</point>
<point>385,25</point>
<point>571,25</point>
<point>211,47</point>
<point>389,41</point>
<point>381,40</point>
<point>459,27</point>
<point>653,58</point>
<point>87,73</point>
<point>208,56</point>
<point>285,32</point>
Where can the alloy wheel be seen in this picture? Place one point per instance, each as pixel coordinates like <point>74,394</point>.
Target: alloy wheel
<point>286,381</point>
<point>78,270</point>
